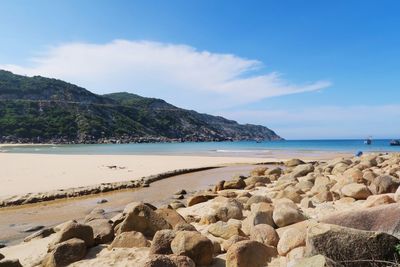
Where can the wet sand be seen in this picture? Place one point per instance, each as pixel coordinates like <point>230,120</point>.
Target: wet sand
<point>14,220</point>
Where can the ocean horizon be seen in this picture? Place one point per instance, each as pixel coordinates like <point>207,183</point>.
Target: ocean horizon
<point>238,148</point>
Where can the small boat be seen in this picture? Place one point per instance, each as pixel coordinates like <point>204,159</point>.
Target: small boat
<point>395,143</point>
<point>368,141</point>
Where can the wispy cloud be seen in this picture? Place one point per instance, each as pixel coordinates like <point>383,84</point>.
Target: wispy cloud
<point>327,121</point>
<point>180,74</point>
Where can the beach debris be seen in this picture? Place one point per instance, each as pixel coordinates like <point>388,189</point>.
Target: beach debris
<point>178,196</point>
<point>112,166</point>
<point>102,201</point>
<point>40,234</point>
<point>33,228</point>
<point>181,192</point>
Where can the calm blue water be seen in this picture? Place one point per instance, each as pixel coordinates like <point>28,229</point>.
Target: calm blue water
<point>210,148</point>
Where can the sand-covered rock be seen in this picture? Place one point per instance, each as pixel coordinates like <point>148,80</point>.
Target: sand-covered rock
<point>290,239</point>
<point>385,184</point>
<point>103,231</point>
<point>356,191</point>
<point>294,162</point>
<point>169,261</point>
<point>142,218</point>
<point>199,198</point>
<point>193,245</point>
<point>233,240</point>
<point>316,261</point>
<point>10,263</point>
<point>129,240</point>
<point>383,218</point>
<point>224,230</point>
<point>265,234</point>
<point>235,184</point>
<point>286,214</point>
<point>73,229</point>
<point>249,254</point>
<point>347,244</point>
<point>65,253</point>
<point>302,170</point>
<point>171,216</point>
<point>161,243</point>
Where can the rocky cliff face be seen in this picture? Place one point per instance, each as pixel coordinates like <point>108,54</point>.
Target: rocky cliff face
<point>40,109</point>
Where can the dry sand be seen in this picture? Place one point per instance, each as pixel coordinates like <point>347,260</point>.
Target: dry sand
<point>29,173</point>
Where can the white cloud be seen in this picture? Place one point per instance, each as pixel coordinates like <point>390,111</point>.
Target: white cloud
<point>317,122</point>
<point>177,73</point>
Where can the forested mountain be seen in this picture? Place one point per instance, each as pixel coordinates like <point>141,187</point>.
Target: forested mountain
<point>38,109</point>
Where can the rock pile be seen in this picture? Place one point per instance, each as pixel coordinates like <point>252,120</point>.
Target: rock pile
<point>344,212</point>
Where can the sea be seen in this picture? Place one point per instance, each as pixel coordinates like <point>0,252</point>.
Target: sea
<point>240,148</point>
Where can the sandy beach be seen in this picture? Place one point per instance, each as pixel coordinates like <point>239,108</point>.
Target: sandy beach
<point>29,173</point>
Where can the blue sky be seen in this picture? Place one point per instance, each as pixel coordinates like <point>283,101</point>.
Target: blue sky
<point>307,69</point>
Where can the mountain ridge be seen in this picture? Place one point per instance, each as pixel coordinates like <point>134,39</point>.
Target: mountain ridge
<point>38,109</point>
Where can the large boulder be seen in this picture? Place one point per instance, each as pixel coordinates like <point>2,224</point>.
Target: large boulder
<point>356,191</point>
<point>355,247</point>
<point>193,245</point>
<point>274,171</point>
<point>257,199</point>
<point>290,239</point>
<point>285,214</point>
<point>171,216</point>
<point>290,193</point>
<point>261,213</point>
<point>65,253</point>
<point>103,231</point>
<point>316,261</point>
<point>161,243</point>
<point>249,254</point>
<point>235,184</point>
<point>130,239</point>
<point>265,234</point>
<point>72,229</point>
<point>259,171</point>
<point>302,170</point>
<point>294,162</point>
<point>95,214</point>
<point>169,261</point>
<point>385,184</point>
<point>383,218</point>
<point>224,230</point>
<point>142,218</point>
<point>233,240</point>
<point>377,200</point>
<point>226,209</point>
<point>257,179</point>
<point>10,263</point>
<point>199,198</point>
